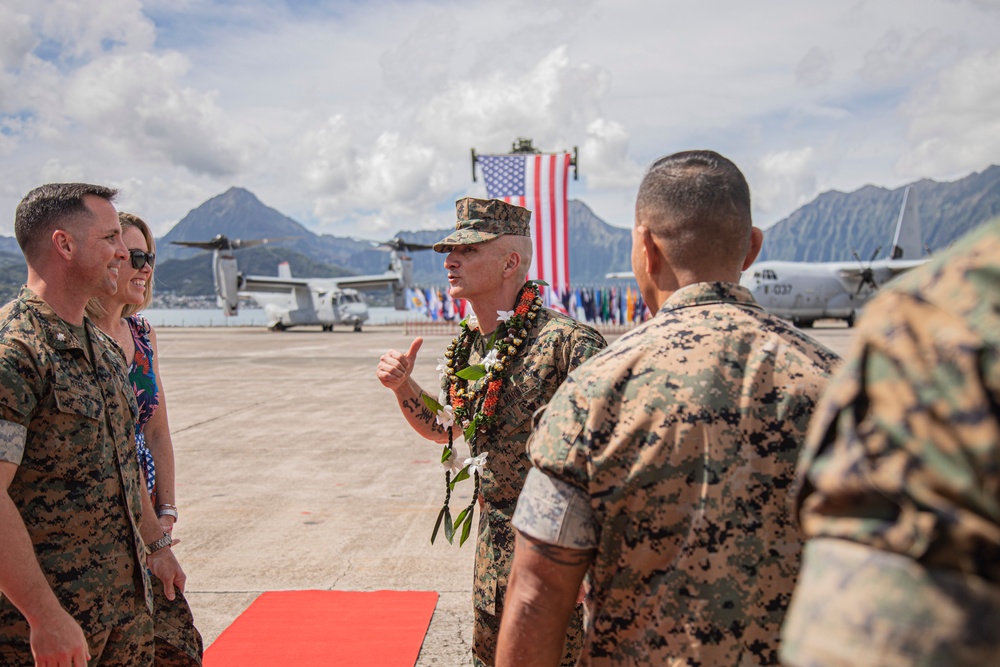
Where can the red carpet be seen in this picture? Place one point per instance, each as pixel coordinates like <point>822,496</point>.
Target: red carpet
<point>342,628</point>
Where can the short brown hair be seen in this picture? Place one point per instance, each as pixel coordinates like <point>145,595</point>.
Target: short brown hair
<point>698,202</point>
<point>49,205</point>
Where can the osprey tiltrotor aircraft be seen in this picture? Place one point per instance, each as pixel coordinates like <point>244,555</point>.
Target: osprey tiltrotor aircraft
<point>289,301</point>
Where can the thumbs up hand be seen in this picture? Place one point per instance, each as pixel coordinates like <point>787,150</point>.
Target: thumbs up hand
<point>395,367</point>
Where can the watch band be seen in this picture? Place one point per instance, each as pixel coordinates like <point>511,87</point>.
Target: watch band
<point>161,543</point>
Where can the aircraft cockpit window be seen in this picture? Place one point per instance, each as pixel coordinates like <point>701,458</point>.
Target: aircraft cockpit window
<point>770,275</point>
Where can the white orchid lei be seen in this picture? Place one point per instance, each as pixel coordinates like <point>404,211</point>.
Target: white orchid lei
<point>473,406</point>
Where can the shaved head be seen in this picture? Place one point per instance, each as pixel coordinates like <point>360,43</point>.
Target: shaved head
<point>697,203</point>
<point>523,246</point>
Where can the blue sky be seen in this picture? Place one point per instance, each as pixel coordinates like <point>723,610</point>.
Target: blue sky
<point>356,118</point>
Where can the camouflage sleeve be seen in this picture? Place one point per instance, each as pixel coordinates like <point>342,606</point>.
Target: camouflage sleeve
<point>555,512</point>
<point>556,446</point>
<point>19,386</point>
<point>17,402</point>
<point>903,446</point>
<point>583,343</point>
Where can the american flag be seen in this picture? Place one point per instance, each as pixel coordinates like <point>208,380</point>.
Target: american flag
<point>538,183</point>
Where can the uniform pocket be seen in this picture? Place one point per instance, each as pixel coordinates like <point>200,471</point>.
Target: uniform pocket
<point>71,402</point>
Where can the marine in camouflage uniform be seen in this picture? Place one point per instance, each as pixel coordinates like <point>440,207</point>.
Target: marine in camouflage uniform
<point>555,345</point>
<point>680,440</point>
<point>662,466</point>
<point>900,479</point>
<point>68,426</point>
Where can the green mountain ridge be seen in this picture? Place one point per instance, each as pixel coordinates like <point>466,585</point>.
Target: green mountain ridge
<point>826,229</point>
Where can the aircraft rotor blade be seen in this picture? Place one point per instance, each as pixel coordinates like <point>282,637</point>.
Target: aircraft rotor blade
<point>397,244</point>
<point>875,254</point>
<point>221,242</point>
<point>250,243</point>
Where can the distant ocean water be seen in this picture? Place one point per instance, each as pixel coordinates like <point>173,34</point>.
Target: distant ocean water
<point>254,317</point>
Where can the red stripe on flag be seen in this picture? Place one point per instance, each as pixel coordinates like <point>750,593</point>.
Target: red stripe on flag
<point>565,219</point>
<point>536,195</point>
<point>553,221</point>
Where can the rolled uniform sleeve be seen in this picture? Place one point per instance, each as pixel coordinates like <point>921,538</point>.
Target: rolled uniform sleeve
<point>555,512</point>
<point>554,505</point>
<point>17,400</point>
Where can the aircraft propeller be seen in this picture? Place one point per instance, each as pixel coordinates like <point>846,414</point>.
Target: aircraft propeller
<point>397,244</point>
<point>867,275</point>
<point>222,242</point>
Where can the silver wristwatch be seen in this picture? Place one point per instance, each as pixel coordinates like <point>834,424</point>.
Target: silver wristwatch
<point>164,541</point>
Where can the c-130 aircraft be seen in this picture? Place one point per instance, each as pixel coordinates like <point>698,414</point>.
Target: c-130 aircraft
<point>289,301</point>
<point>804,292</point>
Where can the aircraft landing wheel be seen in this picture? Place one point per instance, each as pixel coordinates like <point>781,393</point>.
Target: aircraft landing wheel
<point>357,326</point>
<point>327,327</point>
<point>850,320</point>
<point>278,326</point>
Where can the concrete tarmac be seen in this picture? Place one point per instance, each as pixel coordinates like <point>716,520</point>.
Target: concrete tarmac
<point>295,470</point>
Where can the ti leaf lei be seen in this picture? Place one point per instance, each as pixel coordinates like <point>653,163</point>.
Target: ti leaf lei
<point>473,404</point>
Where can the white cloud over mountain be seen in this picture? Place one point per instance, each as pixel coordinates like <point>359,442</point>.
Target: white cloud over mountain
<point>357,118</point>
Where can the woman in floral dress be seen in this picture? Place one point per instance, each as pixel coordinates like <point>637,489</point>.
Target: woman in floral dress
<point>178,642</point>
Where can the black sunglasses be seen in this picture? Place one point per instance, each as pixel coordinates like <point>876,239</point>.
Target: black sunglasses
<point>141,258</point>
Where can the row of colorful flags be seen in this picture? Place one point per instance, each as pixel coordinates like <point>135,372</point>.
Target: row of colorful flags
<point>595,305</point>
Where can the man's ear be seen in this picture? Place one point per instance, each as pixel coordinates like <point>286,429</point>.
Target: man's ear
<point>512,262</point>
<point>756,242</point>
<point>64,243</point>
<point>650,251</point>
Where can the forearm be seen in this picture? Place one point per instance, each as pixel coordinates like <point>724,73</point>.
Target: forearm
<point>21,578</point>
<point>149,528</point>
<point>162,450</point>
<point>541,595</point>
<point>416,412</point>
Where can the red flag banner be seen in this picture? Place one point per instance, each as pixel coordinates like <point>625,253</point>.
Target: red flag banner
<point>537,182</point>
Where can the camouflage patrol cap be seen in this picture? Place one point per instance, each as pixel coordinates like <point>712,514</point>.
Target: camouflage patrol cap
<point>481,220</point>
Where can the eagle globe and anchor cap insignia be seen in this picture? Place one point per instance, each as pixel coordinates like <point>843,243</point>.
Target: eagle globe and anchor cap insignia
<point>481,220</point>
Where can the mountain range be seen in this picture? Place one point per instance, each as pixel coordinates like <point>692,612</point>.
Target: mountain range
<point>826,229</point>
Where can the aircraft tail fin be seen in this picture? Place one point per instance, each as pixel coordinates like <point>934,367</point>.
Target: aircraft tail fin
<point>907,242</point>
<point>284,270</point>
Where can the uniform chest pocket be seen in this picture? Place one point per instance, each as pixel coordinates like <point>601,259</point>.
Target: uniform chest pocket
<point>519,403</point>
<point>71,401</point>
<point>67,437</point>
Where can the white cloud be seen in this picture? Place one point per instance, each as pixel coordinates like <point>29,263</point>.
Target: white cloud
<point>360,116</point>
<point>54,171</point>
<point>954,123</point>
<point>606,159</point>
<point>784,180</point>
<point>138,105</point>
<point>87,29</point>
<point>553,102</point>
<point>17,39</point>
<point>815,68</point>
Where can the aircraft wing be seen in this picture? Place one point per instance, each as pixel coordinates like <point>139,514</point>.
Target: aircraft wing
<point>275,284</point>
<point>388,279</point>
<point>887,269</point>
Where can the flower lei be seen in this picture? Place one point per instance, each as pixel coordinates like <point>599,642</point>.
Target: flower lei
<point>473,404</point>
